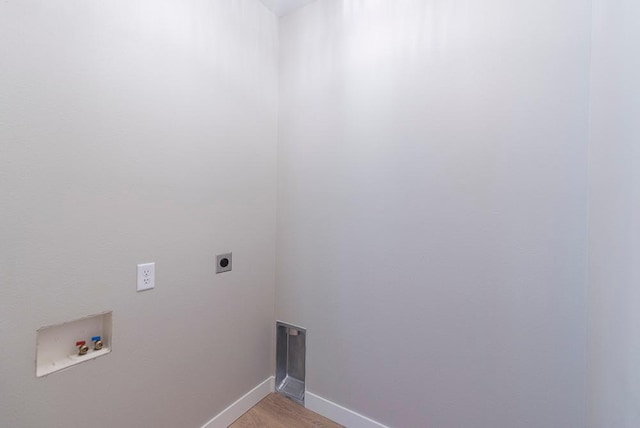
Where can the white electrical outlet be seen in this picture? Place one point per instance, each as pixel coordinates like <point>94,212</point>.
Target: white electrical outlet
<point>146,276</point>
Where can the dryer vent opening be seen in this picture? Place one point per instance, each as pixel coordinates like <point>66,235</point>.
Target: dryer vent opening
<point>290,361</point>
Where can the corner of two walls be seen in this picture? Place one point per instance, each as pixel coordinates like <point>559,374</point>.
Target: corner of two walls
<point>432,206</point>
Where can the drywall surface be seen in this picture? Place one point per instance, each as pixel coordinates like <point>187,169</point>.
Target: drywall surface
<point>432,208</point>
<point>614,243</point>
<point>131,132</point>
<point>283,7</point>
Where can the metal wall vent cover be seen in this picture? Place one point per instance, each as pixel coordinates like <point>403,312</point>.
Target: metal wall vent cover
<point>290,361</point>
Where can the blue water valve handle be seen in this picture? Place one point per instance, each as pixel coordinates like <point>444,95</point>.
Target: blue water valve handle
<point>97,343</point>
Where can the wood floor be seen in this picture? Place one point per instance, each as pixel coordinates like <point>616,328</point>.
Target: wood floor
<point>276,411</point>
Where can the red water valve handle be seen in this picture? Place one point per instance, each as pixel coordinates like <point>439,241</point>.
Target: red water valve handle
<point>81,343</point>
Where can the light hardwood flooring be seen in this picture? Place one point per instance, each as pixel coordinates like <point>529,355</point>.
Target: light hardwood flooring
<point>276,411</point>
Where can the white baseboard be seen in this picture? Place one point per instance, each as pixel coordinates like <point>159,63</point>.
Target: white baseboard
<point>242,405</point>
<point>337,413</point>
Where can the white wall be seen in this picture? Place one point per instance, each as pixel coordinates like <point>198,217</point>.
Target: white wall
<point>283,7</point>
<point>614,239</point>
<point>432,200</point>
<point>432,207</point>
<point>137,131</point>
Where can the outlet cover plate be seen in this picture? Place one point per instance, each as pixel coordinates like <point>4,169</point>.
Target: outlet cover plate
<point>146,276</point>
<point>223,263</point>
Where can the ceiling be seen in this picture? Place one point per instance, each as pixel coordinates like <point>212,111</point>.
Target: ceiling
<point>282,7</point>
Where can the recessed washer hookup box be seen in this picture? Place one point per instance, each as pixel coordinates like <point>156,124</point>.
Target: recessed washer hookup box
<point>62,346</point>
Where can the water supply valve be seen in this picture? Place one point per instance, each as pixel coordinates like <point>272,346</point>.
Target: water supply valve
<point>97,343</point>
<point>82,347</point>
